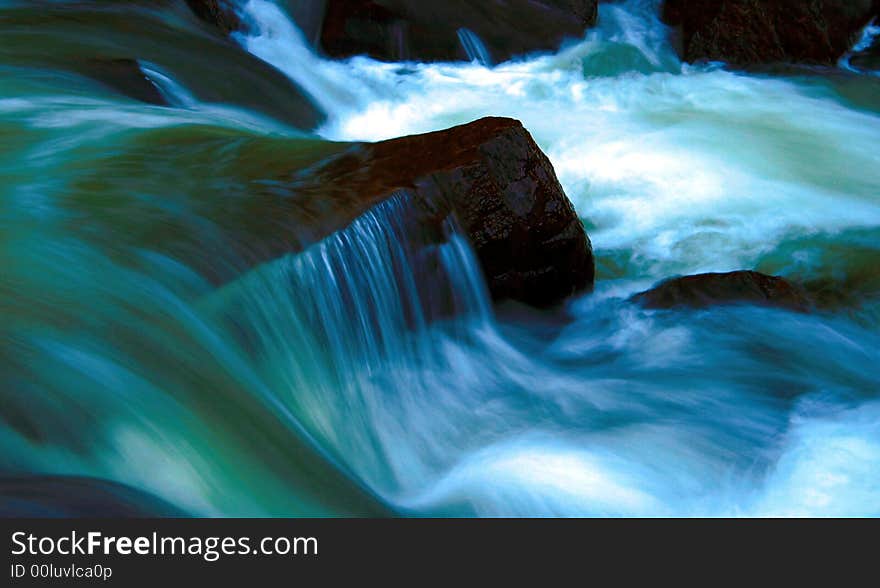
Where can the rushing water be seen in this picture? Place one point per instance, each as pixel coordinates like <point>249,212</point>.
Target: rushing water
<point>369,373</point>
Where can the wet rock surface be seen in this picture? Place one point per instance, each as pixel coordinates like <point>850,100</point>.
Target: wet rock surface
<point>741,287</point>
<point>73,496</point>
<point>432,31</point>
<point>123,75</point>
<point>489,175</point>
<point>749,32</point>
<point>400,30</point>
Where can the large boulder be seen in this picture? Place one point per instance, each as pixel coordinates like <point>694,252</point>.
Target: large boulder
<point>396,30</point>
<point>748,32</point>
<point>488,175</point>
<point>743,287</point>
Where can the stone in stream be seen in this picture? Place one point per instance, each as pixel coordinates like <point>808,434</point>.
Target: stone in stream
<point>489,175</point>
<point>399,30</point>
<point>124,75</point>
<point>220,13</point>
<point>705,290</point>
<point>750,32</point>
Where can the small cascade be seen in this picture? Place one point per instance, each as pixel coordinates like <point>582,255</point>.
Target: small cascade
<point>869,35</point>
<point>173,92</point>
<point>474,47</point>
<point>274,38</point>
<point>350,328</point>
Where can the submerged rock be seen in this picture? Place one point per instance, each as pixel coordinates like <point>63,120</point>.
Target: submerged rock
<point>124,75</point>
<point>117,43</point>
<point>71,496</point>
<point>220,13</point>
<point>489,175</point>
<point>704,290</point>
<point>748,32</point>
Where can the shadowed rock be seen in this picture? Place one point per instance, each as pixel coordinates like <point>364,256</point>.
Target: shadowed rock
<point>747,32</point>
<point>397,30</point>
<point>220,13</point>
<point>490,175</point>
<point>261,198</point>
<point>705,290</point>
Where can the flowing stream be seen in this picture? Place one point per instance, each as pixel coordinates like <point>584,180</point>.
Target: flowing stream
<point>336,381</point>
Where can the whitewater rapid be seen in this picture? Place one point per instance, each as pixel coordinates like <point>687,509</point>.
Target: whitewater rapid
<point>676,169</point>
<point>696,168</point>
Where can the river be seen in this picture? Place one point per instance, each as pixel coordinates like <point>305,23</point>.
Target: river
<point>321,384</point>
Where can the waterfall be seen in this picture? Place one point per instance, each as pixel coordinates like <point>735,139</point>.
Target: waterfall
<point>351,329</point>
<point>474,47</point>
<point>274,38</point>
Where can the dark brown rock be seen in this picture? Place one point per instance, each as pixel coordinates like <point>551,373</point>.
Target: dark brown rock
<point>220,13</point>
<point>707,290</point>
<point>747,32</point>
<point>490,175</point>
<point>394,30</point>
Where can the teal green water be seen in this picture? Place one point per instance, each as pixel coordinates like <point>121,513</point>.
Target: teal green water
<point>140,343</point>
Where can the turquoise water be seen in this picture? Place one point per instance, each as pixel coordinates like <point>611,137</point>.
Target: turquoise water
<point>143,342</point>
